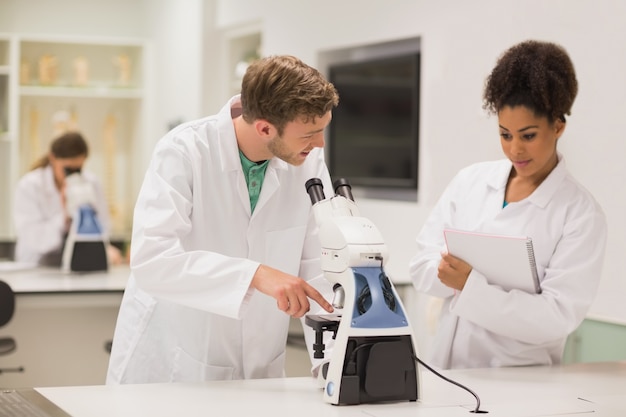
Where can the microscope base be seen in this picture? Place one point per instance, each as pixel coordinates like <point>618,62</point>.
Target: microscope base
<point>378,368</point>
<point>88,257</point>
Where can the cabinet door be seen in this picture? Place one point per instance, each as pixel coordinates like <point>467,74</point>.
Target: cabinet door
<point>62,339</point>
<point>6,142</point>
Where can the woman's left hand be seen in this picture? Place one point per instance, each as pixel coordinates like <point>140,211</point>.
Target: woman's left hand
<point>453,272</point>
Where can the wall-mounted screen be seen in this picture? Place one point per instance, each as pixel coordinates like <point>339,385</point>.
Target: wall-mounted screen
<point>374,134</point>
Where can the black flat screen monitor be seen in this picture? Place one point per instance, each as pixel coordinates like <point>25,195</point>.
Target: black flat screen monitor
<point>374,134</point>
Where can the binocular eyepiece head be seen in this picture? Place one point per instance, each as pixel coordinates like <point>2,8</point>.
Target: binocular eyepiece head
<point>71,170</point>
<point>315,189</point>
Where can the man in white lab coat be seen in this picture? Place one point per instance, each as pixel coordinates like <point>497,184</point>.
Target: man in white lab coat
<point>224,247</point>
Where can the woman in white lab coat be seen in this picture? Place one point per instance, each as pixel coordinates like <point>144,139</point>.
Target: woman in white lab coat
<point>41,219</point>
<point>530,193</point>
<point>222,255</point>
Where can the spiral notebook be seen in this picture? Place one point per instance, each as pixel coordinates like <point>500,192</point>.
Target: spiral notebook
<point>506,261</point>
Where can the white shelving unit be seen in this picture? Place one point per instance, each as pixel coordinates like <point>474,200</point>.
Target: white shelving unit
<point>6,152</point>
<point>240,46</point>
<point>94,85</point>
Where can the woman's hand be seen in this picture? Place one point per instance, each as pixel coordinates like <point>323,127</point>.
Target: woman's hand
<point>114,255</point>
<point>453,272</point>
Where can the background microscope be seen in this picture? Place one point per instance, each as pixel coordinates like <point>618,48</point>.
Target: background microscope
<point>85,246</point>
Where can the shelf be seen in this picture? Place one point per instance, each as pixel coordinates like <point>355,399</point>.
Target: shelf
<point>95,85</point>
<point>96,92</point>
<point>241,46</point>
<point>4,53</point>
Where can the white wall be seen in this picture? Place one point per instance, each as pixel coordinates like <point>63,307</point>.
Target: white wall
<point>461,41</point>
<point>83,18</point>
<point>177,31</point>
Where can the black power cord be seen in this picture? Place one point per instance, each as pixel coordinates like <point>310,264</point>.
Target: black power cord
<point>364,300</point>
<point>476,410</point>
<point>390,301</point>
<point>351,370</point>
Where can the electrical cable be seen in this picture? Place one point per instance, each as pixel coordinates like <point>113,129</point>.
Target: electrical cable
<point>351,365</point>
<point>476,410</point>
<point>364,299</point>
<point>364,296</point>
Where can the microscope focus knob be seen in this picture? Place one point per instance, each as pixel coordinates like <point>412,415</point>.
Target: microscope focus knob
<point>340,296</point>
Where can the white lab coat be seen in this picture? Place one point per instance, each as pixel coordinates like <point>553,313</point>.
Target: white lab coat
<point>188,313</point>
<point>40,220</point>
<point>484,326</point>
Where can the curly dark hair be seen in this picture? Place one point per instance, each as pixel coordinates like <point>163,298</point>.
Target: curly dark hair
<point>537,75</point>
<point>282,88</point>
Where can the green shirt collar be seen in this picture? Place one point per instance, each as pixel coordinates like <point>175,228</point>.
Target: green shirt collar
<point>254,173</point>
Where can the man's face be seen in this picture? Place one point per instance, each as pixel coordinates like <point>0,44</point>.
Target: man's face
<point>298,139</point>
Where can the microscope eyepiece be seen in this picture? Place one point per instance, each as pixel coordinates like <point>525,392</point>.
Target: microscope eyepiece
<point>343,188</point>
<point>315,189</point>
<point>70,170</point>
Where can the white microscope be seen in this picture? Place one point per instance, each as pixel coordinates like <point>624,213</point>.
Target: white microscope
<point>85,247</point>
<point>374,356</point>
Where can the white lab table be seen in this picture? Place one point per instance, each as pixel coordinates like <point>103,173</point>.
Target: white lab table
<point>573,390</point>
<point>62,325</point>
<point>52,280</point>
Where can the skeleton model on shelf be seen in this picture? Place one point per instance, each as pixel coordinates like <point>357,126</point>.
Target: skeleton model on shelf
<point>81,71</point>
<point>110,170</point>
<point>124,66</point>
<point>48,65</point>
<point>25,73</point>
<point>64,121</point>
<point>34,140</point>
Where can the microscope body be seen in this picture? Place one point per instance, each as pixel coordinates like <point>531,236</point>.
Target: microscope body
<point>374,354</point>
<point>85,246</point>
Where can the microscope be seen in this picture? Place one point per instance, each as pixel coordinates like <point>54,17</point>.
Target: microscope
<point>85,247</point>
<point>374,355</point>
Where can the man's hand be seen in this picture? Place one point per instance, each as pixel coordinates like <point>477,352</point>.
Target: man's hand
<point>291,293</point>
<point>453,272</point>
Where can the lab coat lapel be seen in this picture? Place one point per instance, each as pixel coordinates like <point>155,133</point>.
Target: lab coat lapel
<point>271,183</point>
<point>242,191</point>
<point>229,153</point>
<point>270,186</point>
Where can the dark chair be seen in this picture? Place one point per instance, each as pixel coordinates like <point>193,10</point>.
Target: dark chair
<point>7,307</point>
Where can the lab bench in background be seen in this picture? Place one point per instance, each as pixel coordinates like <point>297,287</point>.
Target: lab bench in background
<point>62,325</point>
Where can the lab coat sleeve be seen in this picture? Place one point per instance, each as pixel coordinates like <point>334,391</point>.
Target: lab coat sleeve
<point>38,230</point>
<point>568,289</point>
<point>430,243</point>
<point>160,263</point>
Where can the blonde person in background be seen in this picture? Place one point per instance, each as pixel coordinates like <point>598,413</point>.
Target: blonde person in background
<point>41,218</point>
<point>528,193</point>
